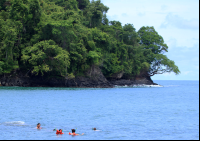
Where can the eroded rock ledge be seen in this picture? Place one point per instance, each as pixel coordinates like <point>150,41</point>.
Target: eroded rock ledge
<point>79,82</point>
<point>93,79</point>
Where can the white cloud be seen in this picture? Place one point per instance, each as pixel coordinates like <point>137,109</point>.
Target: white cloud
<point>187,59</point>
<point>179,22</point>
<point>164,7</point>
<point>186,72</point>
<point>180,29</point>
<point>124,15</point>
<point>141,14</point>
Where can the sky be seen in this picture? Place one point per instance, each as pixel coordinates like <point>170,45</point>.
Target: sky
<point>177,21</point>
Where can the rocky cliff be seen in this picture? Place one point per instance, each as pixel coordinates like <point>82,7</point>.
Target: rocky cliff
<point>93,78</point>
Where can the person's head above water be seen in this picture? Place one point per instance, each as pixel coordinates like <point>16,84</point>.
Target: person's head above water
<point>73,132</point>
<point>38,126</point>
<point>94,128</point>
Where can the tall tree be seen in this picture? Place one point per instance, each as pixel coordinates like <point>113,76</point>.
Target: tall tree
<point>3,4</point>
<point>67,4</point>
<point>129,35</point>
<point>154,47</point>
<point>46,56</point>
<point>94,13</point>
<point>152,40</point>
<point>9,52</point>
<point>82,4</point>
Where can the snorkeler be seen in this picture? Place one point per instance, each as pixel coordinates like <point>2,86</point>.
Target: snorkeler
<point>73,133</point>
<point>38,126</point>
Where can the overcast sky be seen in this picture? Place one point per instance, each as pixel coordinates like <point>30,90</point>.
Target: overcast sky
<point>177,21</point>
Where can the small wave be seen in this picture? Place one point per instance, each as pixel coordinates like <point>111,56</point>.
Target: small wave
<point>121,86</point>
<point>15,123</point>
<point>153,86</point>
<point>138,86</point>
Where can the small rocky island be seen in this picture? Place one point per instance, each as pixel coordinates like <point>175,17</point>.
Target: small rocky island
<point>72,43</point>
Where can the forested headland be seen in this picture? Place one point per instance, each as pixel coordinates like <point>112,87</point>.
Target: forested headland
<point>66,41</point>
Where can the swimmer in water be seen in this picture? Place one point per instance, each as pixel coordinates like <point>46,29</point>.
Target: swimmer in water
<point>59,132</point>
<point>38,126</point>
<point>73,133</point>
<point>95,129</point>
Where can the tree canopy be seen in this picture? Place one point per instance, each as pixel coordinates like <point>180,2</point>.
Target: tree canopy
<point>67,37</point>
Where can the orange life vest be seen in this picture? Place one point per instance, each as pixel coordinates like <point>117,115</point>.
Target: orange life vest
<point>59,132</point>
<point>72,134</point>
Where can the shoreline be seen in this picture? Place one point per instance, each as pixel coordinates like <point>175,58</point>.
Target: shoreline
<point>79,82</point>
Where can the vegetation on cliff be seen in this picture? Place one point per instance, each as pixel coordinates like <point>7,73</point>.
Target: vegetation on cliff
<point>66,37</point>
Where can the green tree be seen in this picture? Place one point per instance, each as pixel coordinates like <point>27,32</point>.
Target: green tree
<point>67,4</point>
<point>154,47</point>
<point>46,56</point>
<point>19,11</point>
<point>4,4</point>
<point>162,65</point>
<point>111,65</point>
<point>152,40</point>
<point>35,13</point>
<point>94,13</point>
<point>67,37</point>
<point>117,30</point>
<point>9,52</point>
<point>129,35</point>
<point>93,58</point>
<point>82,4</point>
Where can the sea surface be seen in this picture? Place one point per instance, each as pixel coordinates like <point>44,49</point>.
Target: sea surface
<point>166,112</point>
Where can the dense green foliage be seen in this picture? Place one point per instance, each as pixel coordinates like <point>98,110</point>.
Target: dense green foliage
<point>67,37</point>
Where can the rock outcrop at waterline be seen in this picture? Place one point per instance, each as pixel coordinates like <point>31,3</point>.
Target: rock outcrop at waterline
<point>80,82</point>
<point>93,79</point>
<point>140,81</point>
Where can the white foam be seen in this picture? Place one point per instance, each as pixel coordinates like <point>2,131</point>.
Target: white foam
<point>138,86</point>
<point>15,123</point>
<point>97,130</point>
<point>153,86</point>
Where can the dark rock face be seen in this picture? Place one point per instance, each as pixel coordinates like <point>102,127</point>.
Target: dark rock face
<point>93,78</point>
<point>139,81</point>
<point>117,75</point>
<point>81,82</point>
<point>10,81</point>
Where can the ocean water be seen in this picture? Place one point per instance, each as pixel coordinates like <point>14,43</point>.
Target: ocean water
<point>167,112</point>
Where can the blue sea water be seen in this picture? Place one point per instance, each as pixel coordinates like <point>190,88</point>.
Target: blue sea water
<point>168,112</point>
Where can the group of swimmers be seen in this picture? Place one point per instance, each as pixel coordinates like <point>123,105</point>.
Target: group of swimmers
<point>60,131</point>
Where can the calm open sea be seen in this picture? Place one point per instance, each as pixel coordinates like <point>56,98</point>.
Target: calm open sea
<point>168,112</point>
